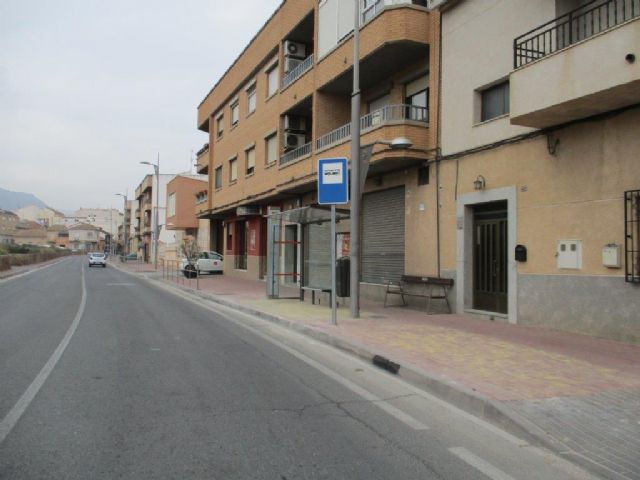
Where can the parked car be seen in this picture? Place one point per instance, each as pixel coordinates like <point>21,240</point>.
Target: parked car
<point>97,259</point>
<point>131,256</point>
<point>207,262</point>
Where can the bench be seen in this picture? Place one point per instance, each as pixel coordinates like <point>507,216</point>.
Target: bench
<point>313,291</point>
<point>428,284</point>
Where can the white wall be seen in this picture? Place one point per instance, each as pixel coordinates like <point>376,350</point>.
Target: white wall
<point>477,50</point>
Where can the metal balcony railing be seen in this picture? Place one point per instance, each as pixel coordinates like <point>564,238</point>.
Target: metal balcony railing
<point>591,19</point>
<point>297,72</point>
<point>295,154</point>
<point>386,114</point>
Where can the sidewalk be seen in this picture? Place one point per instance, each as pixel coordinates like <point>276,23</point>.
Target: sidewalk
<point>577,394</point>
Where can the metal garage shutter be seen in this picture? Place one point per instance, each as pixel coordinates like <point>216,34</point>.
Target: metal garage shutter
<point>317,258</point>
<point>383,236</point>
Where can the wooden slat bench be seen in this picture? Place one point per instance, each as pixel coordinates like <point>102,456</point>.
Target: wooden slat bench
<point>428,284</point>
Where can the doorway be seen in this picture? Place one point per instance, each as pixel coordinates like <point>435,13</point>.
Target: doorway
<point>490,247</point>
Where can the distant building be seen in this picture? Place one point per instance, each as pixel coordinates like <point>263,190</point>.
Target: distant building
<point>108,219</point>
<point>43,215</point>
<point>185,195</point>
<point>58,235</point>
<point>29,232</point>
<point>8,222</point>
<point>86,237</point>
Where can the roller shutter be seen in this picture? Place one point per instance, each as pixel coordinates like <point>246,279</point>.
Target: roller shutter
<point>383,236</point>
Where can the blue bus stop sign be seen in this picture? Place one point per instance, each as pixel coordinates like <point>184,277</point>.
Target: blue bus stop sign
<point>333,181</point>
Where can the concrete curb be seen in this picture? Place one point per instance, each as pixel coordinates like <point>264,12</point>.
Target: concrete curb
<point>495,412</point>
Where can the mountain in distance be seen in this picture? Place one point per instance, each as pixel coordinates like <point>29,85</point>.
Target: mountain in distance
<point>14,200</point>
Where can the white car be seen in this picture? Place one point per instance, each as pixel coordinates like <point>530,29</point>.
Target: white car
<point>208,262</point>
<point>97,259</point>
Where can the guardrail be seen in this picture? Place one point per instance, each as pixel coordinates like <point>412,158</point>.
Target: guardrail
<point>386,114</point>
<point>295,154</point>
<point>297,72</point>
<point>586,21</point>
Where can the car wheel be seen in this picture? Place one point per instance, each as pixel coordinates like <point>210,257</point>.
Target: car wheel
<point>190,271</point>
<point>104,266</point>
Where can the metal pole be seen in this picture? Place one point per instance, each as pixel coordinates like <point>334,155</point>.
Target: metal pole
<point>354,253</point>
<point>157,230</point>
<point>334,313</point>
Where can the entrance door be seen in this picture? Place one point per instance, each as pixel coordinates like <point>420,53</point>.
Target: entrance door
<point>490,257</point>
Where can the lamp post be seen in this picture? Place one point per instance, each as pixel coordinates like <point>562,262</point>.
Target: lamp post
<point>354,221</point>
<point>124,223</point>
<point>156,230</point>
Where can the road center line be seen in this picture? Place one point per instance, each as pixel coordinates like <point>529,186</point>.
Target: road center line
<point>480,464</point>
<point>30,393</point>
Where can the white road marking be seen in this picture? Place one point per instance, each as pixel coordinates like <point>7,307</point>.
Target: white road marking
<point>27,397</point>
<point>20,275</point>
<point>366,394</point>
<point>480,464</point>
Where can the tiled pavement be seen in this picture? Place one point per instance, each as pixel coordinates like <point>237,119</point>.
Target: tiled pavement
<point>582,391</point>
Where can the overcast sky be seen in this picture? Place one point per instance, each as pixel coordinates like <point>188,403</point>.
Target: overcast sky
<point>89,88</point>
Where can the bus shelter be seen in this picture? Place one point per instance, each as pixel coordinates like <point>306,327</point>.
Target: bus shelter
<point>299,249</point>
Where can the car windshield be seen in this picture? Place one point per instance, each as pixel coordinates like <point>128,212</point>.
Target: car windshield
<point>100,255</point>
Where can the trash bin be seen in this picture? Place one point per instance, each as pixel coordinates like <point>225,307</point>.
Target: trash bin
<point>343,277</point>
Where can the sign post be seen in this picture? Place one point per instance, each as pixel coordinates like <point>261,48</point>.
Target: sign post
<point>333,189</point>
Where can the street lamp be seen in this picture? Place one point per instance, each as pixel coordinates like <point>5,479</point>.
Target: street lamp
<point>124,222</point>
<point>156,232</point>
<point>358,177</point>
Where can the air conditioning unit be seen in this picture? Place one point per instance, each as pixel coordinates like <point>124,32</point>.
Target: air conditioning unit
<point>294,140</point>
<point>291,63</point>
<point>295,49</point>
<point>295,123</point>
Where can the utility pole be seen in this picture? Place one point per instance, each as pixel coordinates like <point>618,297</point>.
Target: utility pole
<point>354,248</point>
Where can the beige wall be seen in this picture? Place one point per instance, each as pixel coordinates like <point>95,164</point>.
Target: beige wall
<point>484,30</point>
<point>576,194</point>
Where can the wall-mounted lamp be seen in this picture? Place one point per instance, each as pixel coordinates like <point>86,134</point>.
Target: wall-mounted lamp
<point>479,183</point>
<point>552,144</point>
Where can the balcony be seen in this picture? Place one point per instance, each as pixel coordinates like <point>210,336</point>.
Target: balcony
<point>297,72</point>
<point>296,154</point>
<point>388,115</point>
<point>202,160</point>
<point>577,65</point>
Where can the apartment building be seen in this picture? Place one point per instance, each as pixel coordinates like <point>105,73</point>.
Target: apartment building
<point>285,103</point>
<point>186,194</point>
<point>144,216</point>
<point>107,219</point>
<point>8,222</point>
<point>43,215</point>
<point>87,237</point>
<point>540,175</point>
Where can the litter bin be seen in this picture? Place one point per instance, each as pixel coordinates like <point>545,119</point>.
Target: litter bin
<point>343,274</point>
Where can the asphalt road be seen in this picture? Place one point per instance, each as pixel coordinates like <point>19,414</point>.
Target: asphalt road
<point>146,384</point>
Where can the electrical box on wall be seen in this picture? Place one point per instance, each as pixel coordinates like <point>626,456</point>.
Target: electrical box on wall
<point>569,254</point>
<point>611,255</point>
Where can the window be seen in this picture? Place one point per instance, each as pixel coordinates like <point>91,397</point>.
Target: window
<point>417,98</point>
<point>250,156</point>
<point>494,101</point>
<point>235,113</point>
<point>251,98</point>
<point>171,205</point>
<point>272,80</point>
<point>423,175</point>
<point>233,169</point>
<point>271,148</point>
<point>219,126</point>
<point>218,178</point>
